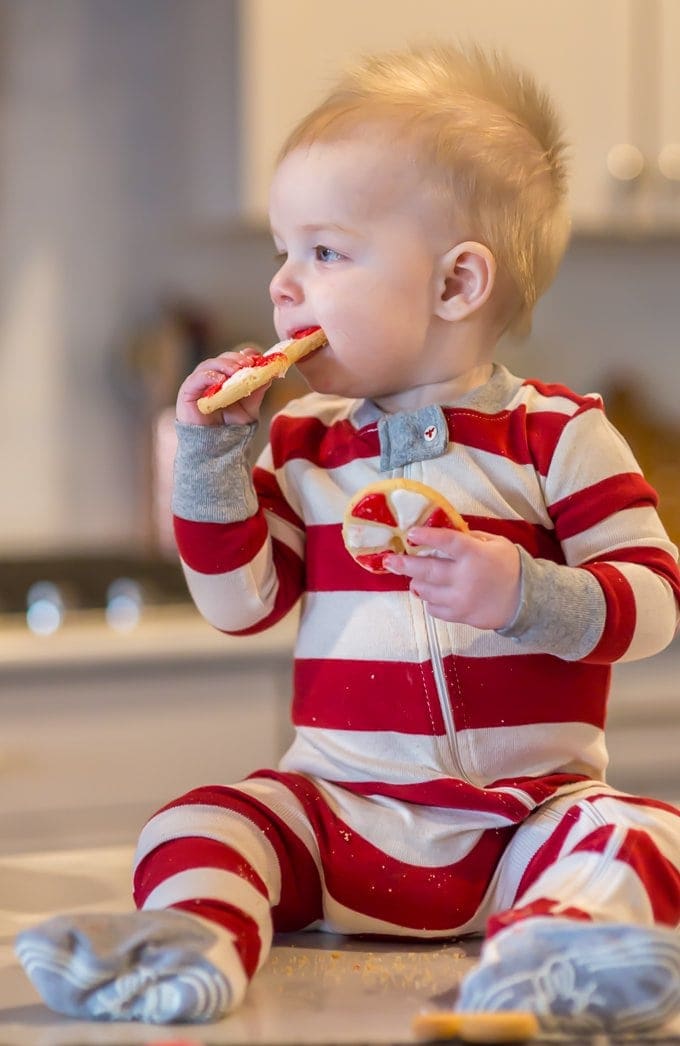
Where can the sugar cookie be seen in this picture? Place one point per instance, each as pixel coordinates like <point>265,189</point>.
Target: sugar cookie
<point>499,1026</point>
<point>261,369</point>
<point>378,518</point>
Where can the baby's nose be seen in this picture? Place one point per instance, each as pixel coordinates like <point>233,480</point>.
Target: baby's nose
<point>285,287</point>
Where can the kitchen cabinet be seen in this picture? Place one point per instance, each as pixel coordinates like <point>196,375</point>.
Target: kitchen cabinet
<point>101,728</point>
<point>611,66</point>
<point>668,143</point>
<point>647,161</point>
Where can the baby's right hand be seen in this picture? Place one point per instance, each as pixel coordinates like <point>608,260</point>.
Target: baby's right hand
<point>210,372</point>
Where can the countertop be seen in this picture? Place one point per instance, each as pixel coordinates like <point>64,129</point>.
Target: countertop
<point>172,631</point>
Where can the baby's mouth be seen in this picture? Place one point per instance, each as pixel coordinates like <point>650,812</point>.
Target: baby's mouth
<point>303,332</point>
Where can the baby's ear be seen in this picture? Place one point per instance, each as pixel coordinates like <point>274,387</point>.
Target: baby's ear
<point>465,279</point>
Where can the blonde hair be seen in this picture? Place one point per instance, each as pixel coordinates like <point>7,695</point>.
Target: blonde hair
<point>489,137</point>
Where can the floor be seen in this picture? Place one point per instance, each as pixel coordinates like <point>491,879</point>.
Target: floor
<point>316,988</point>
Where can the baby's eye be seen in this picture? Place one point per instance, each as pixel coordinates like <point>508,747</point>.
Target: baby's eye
<point>326,254</point>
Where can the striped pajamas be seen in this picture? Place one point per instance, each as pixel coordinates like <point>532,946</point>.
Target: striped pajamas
<point>278,853</point>
<point>443,779</point>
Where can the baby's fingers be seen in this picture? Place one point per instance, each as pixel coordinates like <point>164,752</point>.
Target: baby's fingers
<point>426,569</point>
<point>207,378</point>
<point>210,372</point>
<point>440,539</point>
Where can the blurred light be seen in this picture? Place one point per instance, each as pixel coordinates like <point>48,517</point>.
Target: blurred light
<point>625,162</point>
<point>124,602</point>
<point>45,608</point>
<point>669,161</point>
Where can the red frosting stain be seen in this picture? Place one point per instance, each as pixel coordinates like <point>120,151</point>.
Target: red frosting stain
<point>253,362</point>
<point>212,389</point>
<point>263,361</point>
<point>440,519</point>
<point>376,508</point>
<point>374,561</point>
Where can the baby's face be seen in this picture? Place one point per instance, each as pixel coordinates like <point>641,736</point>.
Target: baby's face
<point>359,245</point>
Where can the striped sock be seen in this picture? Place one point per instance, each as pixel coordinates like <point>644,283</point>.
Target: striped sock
<point>153,966</point>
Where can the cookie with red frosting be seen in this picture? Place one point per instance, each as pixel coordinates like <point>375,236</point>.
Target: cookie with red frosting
<point>378,518</point>
<point>260,370</point>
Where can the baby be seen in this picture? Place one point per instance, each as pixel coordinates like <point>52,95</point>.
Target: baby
<point>447,772</point>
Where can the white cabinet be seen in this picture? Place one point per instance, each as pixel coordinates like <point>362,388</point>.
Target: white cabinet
<point>668,143</point>
<point>611,66</point>
<point>99,729</point>
<point>650,200</point>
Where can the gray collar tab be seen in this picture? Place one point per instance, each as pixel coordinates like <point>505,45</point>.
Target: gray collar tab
<point>409,437</point>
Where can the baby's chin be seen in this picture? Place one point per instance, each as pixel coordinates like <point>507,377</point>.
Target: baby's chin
<point>325,374</point>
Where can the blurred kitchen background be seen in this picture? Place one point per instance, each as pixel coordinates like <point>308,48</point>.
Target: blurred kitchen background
<point>137,138</point>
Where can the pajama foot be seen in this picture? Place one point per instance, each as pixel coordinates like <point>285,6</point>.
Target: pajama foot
<point>579,977</point>
<point>153,966</point>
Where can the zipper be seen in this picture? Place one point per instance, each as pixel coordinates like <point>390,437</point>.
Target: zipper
<point>438,671</point>
<point>443,695</point>
<point>447,715</point>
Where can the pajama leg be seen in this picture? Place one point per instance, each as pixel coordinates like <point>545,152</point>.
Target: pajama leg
<point>590,942</point>
<point>216,873</point>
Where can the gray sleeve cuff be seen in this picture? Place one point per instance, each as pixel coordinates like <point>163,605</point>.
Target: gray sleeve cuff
<point>561,611</point>
<point>212,475</point>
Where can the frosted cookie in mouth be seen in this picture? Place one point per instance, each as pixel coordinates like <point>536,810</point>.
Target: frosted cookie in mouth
<point>378,518</point>
<point>260,370</point>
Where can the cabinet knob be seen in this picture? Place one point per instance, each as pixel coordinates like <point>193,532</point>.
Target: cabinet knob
<point>625,162</point>
<point>669,161</point>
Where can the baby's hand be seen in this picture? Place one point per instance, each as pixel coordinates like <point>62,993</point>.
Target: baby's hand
<point>474,579</point>
<point>212,372</point>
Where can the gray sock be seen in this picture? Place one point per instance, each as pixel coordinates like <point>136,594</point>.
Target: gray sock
<point>152,966</point>
<point>579,976</point>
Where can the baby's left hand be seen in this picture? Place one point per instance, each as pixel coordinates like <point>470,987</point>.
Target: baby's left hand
<point>475,579</point>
